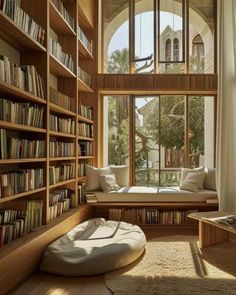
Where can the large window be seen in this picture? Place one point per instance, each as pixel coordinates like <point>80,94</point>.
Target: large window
<point>163,134</point>
<point>153,36</point>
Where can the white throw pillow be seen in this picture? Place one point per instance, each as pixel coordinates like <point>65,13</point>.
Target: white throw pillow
<point>93,177</point>
<point>186,171</point>
<point>210,179</point>
<point>193,181</point>
<point>108,182</point>
<point>122,175</point>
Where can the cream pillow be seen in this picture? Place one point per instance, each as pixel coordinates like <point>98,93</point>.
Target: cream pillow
<point>122,174</point>
<point>108,182</point>
<point>186,171</point>
<point>210,179</point>
<point>93,177</point>
<point>193,181</point>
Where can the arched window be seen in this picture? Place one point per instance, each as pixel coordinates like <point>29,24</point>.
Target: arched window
<point>168,50</point>
<point>176,50</point>
<point>198,53</point>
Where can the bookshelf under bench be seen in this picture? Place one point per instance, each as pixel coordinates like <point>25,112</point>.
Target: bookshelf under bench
<point>152,214</point>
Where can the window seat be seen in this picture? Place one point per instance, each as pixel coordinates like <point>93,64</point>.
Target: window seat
<point>155,194</point>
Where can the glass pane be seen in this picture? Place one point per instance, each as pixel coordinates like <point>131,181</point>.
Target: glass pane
<point>116,130</point>
<point>116,36</point>
<point>172,125</point>
<point>146,141</point>
<point>144,35</point>
<point>171,31</point>
<point>201,36</point>
<point>201,131</point>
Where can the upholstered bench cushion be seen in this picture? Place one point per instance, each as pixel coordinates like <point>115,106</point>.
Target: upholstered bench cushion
<point>154,194</point>
<point>94,247</point>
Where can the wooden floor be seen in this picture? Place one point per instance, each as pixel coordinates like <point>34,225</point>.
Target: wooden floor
<point>44,284</point>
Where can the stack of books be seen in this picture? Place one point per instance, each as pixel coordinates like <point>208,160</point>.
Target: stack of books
<point>84,76</point>
<point>81,169</point>
<point>18,218</point>
<point>62,149</point>
<point>62,100</point>
<point>25,77</point>
<point>67,17</point>
<point>22,20</point>
<point>81,193</point>
<point>85,130</point>
<point>62,125</point>
<point>16,148</point>
<point>20,181</point>
<point>61,173</point>
<point>21,113</point>
<point>86,111</point>
<point>56,50</point>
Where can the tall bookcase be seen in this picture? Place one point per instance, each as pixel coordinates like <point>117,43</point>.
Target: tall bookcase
<point>62,85</point>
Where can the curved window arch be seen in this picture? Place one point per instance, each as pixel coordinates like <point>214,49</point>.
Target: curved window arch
<point>198,53</point>
<point>176,49</point>
<point>168,50</point>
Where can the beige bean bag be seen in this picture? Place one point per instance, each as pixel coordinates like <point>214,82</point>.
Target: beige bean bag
<point>94,247</point>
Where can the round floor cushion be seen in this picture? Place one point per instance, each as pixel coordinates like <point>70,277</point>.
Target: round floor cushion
<point>94,247</point>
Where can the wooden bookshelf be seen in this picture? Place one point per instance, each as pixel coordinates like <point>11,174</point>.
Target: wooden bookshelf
<point>24,50</point>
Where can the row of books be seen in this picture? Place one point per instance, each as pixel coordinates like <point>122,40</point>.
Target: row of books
<point>23,20</point>
<point>62,149</point>
<point>61,8</point>
<point>82,169</point>
<point>85,130</point>
<point>61,173</point>
<point>19,217</point>
<point>61,100</point>
<point>24,77</point>
<point>84,76</point>
<point>85,148</point>
<point>61,194</point>
<point>20,181</point>
<point>56,50</point>
<point>154,216</point>
<point>60,201</point>
<point>62,125</point>
<point>17,148</point>
<point>86,111</point>
<point>21,113</point>
<point>84,40</point>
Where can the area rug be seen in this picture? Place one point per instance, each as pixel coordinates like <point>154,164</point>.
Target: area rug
<point>175,265</point>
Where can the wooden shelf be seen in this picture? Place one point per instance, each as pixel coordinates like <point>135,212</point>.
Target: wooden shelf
<point>62,159</point>
<point>58,23</point>
<point>60,110</point>
<point>84,119</point>
<point>13,126</point>
<point>58,69</point>
<point>83,87</point>
<point>81,178</point>
<point>26,160</point>
<point>51,186</point>
<point>10,90</point>
<point>83,51</point>
<point>83,19</point>
<point>85,138</point>
<point>16,37</point>
<point>24,194</point>
<point>85,157</point>
<point>61,134</point>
